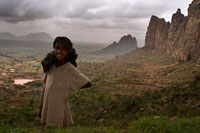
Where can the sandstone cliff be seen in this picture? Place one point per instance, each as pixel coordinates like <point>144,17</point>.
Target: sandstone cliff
<point>180,38</point>
<point>125,44</point>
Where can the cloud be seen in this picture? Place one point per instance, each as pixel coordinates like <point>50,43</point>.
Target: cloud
<point>13,11</point>
<point>28,10</point>
<point>112,9</point>
<point>92,20</point>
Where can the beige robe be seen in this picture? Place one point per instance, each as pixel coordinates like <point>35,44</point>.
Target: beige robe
<point>60,82</point>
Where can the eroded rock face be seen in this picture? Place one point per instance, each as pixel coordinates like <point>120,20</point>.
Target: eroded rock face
<point>157,33</point>
<point>181,38</point>
<point>177,28</point>
<point>175,41</point>
<point>198,61</point>
<point>192,31</point>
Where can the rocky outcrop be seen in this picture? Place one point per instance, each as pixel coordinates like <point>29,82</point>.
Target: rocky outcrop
<point>192,30</point>
<point>180,38</point>
<point>175,45</point>
<point>125,44</point>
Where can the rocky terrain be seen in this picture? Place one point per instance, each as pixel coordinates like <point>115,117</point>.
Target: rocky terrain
<point>180,38</point>
<point>125,45</point>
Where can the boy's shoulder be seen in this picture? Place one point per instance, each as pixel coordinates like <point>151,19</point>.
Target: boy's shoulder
<point>65,69</point>
<point>70,67</point>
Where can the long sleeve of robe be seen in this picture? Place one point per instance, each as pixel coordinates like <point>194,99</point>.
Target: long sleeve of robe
<point>60,82</point>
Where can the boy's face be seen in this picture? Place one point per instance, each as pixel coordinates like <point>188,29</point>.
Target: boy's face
<point>61,51</point>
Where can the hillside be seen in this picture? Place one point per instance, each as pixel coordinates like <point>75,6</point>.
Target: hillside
<point>143,70</point>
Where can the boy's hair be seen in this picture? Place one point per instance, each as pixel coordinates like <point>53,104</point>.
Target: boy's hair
<point>63,40</point>
<point>50,59</point>
<point>72,55</point>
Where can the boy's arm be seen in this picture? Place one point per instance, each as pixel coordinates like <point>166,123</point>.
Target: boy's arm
<point>87,85</point>
<point>41,103</point>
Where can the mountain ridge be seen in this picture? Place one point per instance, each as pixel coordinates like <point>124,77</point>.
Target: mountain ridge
<point>126,44</point>
<point>39,36</point>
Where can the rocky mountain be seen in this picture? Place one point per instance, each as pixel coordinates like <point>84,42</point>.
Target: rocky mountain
<point>125,44</point>
<point>40,36</point>
<point>180,38</point>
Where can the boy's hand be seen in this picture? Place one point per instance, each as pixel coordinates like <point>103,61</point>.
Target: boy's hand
<point>48,61</point>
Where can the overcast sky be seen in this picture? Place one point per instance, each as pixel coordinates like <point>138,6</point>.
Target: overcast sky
<point>102,21</point>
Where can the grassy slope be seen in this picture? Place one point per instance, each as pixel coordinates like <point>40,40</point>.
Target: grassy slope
<point>141,92</point>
